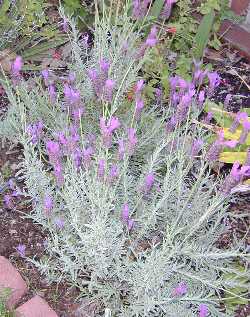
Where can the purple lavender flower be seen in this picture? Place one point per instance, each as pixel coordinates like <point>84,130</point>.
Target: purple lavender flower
<point>175,99</point>
<point>182,84</point>
<point>245,131</point>
<point>92,74</point>
<point>75,97</point>
<point>126,218</point>
<point>87,156</point>
<point>101,169</point>
<point>148,182</point>
<point>11,184</point>
<point>8,201</point>
<point>136,9</point>
<point>167,9</point>
<point>65,25</point>
<point>247,163</point>
<point>125,213</point>
<point>48,204</point>
<point>16,66</point>
<point>180,290</point>
<point>67,92</point>
<point>77,114</point>
<point>139,87</point>
<point>109,87</point>
<point>158,94</point>
<point>238,172</point>
<point>74,133</point>
<point>237,120</point>
<point>77,157</point>
<point>72,96</point>
<point>183,107</point>
<point>139,105</point>
<point>208,118</point>
<point>53,150</point>
<point>98,80</point>
<point>85,40</point>
<point>114,173</point>
<point>52,93</point>
<point>196,147</point>
<point>121,149</point>
<point>71,78</point>
<point>214,81</point>
<point>173,81</point>
<point>132,140</point>
<point>16,193</point>
<point>59,222</point>
<point>203,310</point>
<point>130,224</point>
<point>187,98</point>
<point>140,8</point>
<point>199,76</point>
<point>72,140</point>
<point>201,98</point>
<point>91,138</point>
<point>227,100</point>
<point>171,124</point>
<point>108,129</point>
<point>35,131</point>
<point>141,51</point>
<point>39,128</point>
<point>152,37</point>
<point>45,74</point>
<point>216,148</point>
<point>21,248</point>
<point>58,171</point>
<point>235,177</point>
<point>104,66</point>
<point>61,138</point>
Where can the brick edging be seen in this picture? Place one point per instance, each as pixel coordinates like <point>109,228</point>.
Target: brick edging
<point>237,36</point>
<point>11,279</point>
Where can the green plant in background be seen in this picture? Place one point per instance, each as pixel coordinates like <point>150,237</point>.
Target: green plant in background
<point>185,39</point>
<point>6,171</point>
<point>202,35</point>
<point>225,121</point>
<point>84,13</point>
<point>4,312</point>
<point>239,285</point>
<point>223,11</point>
<point>25,31</point>
<point>181,63</point>
<point>154,74</point>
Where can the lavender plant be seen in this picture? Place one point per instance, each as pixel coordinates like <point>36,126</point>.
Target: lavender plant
<point>124,191</point>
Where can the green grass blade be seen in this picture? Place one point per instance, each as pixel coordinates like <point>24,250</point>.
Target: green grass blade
<point>202,36</point>
<point>156,8</point>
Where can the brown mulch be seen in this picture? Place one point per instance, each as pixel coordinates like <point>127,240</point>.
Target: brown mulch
<point>238,227</point>
<point>16,229</point>
<point>235,80</point>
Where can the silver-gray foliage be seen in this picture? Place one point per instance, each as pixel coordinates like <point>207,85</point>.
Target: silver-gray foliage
<point>176,224</point>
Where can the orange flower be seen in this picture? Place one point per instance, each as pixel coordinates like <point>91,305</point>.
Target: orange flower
<point>172,30</point>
